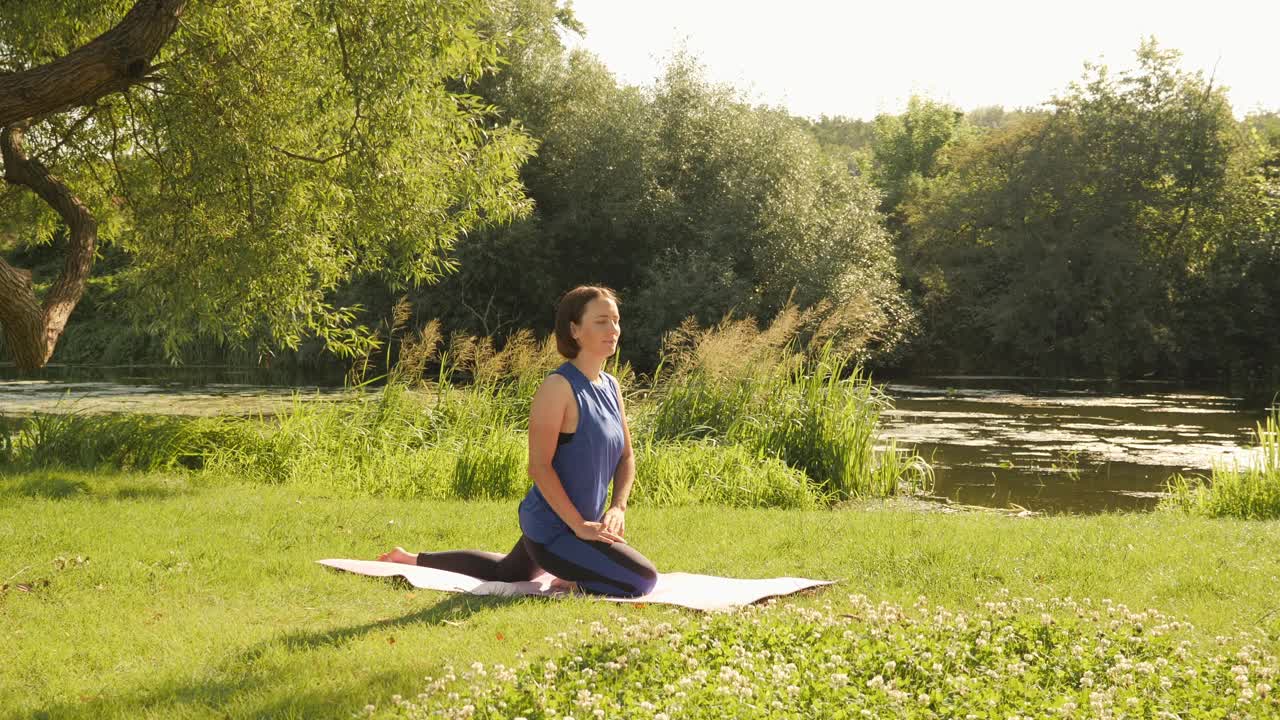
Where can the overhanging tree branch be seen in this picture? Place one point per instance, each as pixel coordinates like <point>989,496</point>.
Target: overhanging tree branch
<point>109,63</point>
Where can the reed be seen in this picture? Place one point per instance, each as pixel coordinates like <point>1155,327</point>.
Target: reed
<point>812,409</point>
<point>1250,491</point>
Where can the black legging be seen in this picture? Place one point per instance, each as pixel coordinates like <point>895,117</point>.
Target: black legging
<point>618,569</point>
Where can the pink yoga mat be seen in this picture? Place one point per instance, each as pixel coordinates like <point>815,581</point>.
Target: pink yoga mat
<point>700,592</point>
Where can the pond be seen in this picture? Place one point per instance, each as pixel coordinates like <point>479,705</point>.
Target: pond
<point>1066,445</point>
<point>1080,446</point>
<point>159,389</point>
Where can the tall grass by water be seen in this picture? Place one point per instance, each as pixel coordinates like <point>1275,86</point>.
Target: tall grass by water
<point>736,416</point>
<point>1250,491</point>
<point>751,387</point>
<point>124,441</point>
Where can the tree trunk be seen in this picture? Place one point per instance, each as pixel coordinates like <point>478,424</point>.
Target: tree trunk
<point>31,328</point>
<point>109,63</point>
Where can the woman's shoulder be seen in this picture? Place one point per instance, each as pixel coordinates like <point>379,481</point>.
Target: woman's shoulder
<point>555,384</point>
<point>556,378</point>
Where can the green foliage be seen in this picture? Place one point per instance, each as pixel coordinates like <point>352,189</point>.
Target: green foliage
<point>996,117</point>
<point>1250,491</point>
<point>683,197</point>
<point>1007,657</point>
<point>286,148</point>
<point>848,140</point>
<point>907,147</point>
<point>1095,239</point>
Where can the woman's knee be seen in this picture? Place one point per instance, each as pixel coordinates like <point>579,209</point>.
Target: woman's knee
<point>647,583</point>
<point>646,577</point>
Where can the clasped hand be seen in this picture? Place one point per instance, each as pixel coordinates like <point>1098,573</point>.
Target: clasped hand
<point>609,531</point>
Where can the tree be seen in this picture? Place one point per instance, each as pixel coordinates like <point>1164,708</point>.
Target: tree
<point>1075,242</point>
<point>112,62</point>
<point>907,146</point>
<point>682,196</point>
<point>271,150</point>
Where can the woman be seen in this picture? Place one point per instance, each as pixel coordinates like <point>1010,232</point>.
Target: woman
<point>578,440</point>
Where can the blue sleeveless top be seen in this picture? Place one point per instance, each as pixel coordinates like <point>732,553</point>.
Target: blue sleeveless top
<point>586,463</point>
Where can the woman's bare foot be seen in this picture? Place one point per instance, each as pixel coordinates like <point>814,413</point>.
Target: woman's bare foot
<point>399,556</point>
<point>558,585</point>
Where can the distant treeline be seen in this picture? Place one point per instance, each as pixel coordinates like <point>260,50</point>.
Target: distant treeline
<point>1129,227</point>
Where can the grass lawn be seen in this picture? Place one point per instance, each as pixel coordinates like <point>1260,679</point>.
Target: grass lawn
<point>167,595</point>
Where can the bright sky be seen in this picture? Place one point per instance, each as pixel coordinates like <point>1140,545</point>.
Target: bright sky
<point>862,58</point>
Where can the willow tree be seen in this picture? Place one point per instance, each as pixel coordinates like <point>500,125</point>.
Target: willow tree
<point>246,156</point>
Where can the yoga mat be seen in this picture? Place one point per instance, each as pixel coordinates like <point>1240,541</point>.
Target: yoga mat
<point>699,592</point>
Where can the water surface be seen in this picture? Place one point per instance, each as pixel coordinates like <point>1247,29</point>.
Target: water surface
<point>1066,445</point>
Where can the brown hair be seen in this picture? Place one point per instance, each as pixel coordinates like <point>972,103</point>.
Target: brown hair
<point>572,306</point>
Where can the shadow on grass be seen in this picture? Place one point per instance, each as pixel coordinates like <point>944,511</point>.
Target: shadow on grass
<point>297,696</point>
<point>74,485</point>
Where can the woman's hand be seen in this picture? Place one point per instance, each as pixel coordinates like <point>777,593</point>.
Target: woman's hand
<point>596,532</point>
<point>615,519</point>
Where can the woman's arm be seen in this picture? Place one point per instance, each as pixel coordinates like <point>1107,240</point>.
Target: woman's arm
<point>623,476</point>
<point>546,416</point>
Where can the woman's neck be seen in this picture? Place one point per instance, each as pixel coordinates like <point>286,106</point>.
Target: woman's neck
<point>590,366</point>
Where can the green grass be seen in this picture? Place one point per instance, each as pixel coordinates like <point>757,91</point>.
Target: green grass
<point>1250,492</point>
<point>182,595</point>
<point>693,473</point>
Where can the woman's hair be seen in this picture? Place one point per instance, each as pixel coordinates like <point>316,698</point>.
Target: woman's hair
<point>572,305</point>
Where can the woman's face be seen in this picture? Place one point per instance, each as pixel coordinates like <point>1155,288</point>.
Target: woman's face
<point>600,328</point>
